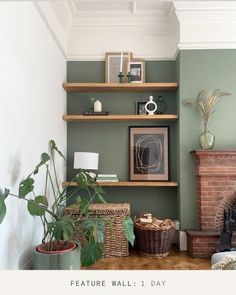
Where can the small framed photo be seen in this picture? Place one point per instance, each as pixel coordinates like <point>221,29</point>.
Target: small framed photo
<point>113,62</point>
<point>137,70</point>
<point>140,108</point>
<point>148,153</point>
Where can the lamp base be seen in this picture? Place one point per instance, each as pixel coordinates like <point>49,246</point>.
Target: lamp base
<point>93,175</point>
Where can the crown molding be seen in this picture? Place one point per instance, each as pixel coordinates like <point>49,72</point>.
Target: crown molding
<point>92,29</point>
<point>206,24</point>
<point>102,57</point>
<point>205,11</point>
<point>53,23</point>
<point>64,11</point>
<point>207,45</point>
<point>120,8</point>
<point>154,30</point>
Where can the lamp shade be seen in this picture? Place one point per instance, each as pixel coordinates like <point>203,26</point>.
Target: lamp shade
<point>84,160</point>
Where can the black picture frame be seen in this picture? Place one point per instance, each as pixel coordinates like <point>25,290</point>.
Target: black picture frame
<point>140,108</point>
<point>148,153</point>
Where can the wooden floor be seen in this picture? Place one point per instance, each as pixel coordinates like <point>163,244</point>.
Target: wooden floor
<point>176,260</point>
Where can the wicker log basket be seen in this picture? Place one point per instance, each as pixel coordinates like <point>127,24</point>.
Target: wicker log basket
<point>154,238</point>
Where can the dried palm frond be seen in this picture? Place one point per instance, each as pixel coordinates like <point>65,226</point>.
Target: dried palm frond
<point>206,102</point>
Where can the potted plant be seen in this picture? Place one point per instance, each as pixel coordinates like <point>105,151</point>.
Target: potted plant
<point>59,250</point>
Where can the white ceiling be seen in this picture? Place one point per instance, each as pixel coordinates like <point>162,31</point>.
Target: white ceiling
<point>152,29</point>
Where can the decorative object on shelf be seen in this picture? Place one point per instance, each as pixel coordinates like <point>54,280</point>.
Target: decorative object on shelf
<point>137,70</point>
<point>148,153</point>
<point>107,178</point>
<point>128,77</point>
<point>97,106</point>
<point>121,77</point>
<point>121,62</point>
<point>86,161</point>
<point>205,104</point>
<point>91,104</point>
<point>161,105</point>
<point>128,70</point>
<point>206,139</point>
<point>113,65</point>
<point>95,113</point>
<point>151,106</point>
<point>140,108</point>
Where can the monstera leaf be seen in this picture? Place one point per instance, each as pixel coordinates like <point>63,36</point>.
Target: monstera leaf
<point>62,229</point>
<point>129,230</point>
<point>93,229</point>
<point>3,209</point>
<point>91,252</point>
<point>38,206</point>
<point>26,186</point>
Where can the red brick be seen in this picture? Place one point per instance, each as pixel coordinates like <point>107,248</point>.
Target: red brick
<point>216,180</point>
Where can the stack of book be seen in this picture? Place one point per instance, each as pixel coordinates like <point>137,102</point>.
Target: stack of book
<point>107,178</point>
<point>95,113</point>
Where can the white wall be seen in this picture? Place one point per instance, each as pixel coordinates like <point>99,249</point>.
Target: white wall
<point>32,101</point>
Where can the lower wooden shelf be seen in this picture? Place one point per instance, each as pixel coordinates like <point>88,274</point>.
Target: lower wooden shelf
<point>131,183</point>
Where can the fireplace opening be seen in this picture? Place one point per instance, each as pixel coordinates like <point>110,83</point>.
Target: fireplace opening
<point>233,208</point>
<point>229,226</point>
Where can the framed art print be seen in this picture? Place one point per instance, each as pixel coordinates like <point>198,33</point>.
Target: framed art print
<point>140,108</point>
<point>137,70</point>
<point>113,63</point>
<point>148,153</point>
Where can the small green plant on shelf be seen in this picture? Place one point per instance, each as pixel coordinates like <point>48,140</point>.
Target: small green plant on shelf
<point>58,228</point>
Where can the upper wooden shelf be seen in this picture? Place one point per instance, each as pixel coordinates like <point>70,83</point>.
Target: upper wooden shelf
<point>135,87</point>
<point>75,118</point>
<point>131,183</point>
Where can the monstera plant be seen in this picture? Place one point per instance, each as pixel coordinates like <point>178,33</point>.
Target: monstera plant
<point>58,246</point>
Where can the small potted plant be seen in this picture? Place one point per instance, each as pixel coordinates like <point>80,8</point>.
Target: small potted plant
<point>59,250</point>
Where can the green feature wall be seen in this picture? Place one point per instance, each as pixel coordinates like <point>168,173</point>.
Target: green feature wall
<point>110,139</point>
<point>197,70</point>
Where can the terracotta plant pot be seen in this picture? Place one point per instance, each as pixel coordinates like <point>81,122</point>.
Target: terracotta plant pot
<point>62,259</point>
<point>53,248</point>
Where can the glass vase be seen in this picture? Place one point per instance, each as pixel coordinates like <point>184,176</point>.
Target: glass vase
<point>206,139</point>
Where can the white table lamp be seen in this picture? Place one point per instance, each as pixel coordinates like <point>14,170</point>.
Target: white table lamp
<point>85,160</point>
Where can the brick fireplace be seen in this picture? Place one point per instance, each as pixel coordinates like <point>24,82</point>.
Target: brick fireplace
<point>216,191</point>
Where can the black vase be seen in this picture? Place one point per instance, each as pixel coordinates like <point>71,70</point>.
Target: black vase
<point>161,105</point>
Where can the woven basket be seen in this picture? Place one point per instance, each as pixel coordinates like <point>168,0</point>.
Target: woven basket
<point>115,243</point>
<point>152,240</point>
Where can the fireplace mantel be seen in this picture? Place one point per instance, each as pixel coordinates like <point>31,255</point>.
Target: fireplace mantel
<point>215,163</point>
<point>214,152</point>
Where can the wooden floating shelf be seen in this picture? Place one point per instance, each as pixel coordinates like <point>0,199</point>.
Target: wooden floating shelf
<point>103,87</point>
<point>131,183</point>
<point>75,118</point>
